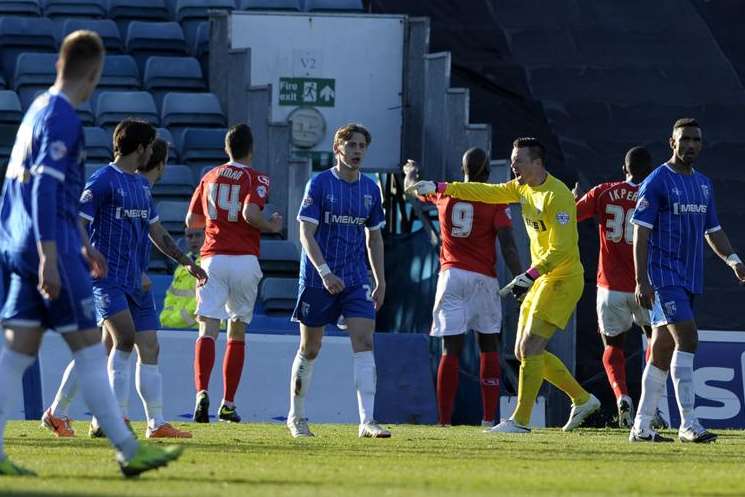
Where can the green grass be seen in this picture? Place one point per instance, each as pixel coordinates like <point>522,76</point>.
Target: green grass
<point>262,460</point>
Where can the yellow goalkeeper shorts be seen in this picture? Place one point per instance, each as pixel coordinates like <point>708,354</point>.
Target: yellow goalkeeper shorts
<point>552,300</point>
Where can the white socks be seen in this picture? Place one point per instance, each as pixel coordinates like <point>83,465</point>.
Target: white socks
<point>365,380</point>
<point>66,393</point>
<point>149,385</point>
<point>100,400</point>
<point>653,384</point>
<point>12,367</point>
<point>302,371</point>
<point>681,370</point>
<point>119,375</point>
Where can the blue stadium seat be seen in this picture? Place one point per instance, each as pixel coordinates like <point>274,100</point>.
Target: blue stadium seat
<point>7,139</point>
<point>85,113</point>
<point>278,295</point>
<point>10,107</point>
<point>200,47</point>
<point>190,13</point>
<point>145,39</point>
<point>97,144</point>
<point>24,34</point>
<point>334,6</point>
<point>129,10</point>
<point>20,8</point>
<point>278,257</point>
<point>168,137</point>
<point>119,73</point>
<point>91,9</point>
<point>200,147</point>
<point>106,28</point>
<point>270,5</point>
<point>173,215</point>
<point>34,72</point>
<point>163,74</point>
<point>192,109</point>
<point>177,183</point>
<point>113,106</point>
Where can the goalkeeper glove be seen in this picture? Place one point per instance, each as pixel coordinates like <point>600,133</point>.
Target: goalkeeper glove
<point>422,188</point>
<point>520,285</point>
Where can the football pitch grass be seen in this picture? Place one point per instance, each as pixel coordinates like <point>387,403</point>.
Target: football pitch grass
<point>262,460</point>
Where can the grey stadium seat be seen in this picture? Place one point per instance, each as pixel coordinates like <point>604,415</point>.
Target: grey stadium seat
<point>173,215</point>
<point>192,109</point>
<point>278,295</point>
<point>85,112</point>
<point>113,106</point>
<point>119,73</point>
<point>163,74</point>
<point>200,147</point>
<point>279,258</point>
<point>106,28</point>
<point>10,107</point>
<point>24,34</point>
<point>20,8</point>
<point>191,13</point>
<point>97,144</point>
<point>92,9</point>
<point>34,72</point>
<point>145,39</point>
<point>177,183</point>
<point>168,137</point>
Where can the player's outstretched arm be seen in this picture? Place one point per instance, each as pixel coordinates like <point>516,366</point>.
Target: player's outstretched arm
<point>720,244</point>
<point>644,293</point>
<point>167,245</point>
<point>501,193</point>
<point>374,239</point>
<point>331,282</point>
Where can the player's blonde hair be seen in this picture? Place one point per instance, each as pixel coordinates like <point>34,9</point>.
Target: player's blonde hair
<point>80,51</point>
<point>345,133</point>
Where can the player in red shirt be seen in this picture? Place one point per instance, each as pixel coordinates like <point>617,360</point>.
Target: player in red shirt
<point>467,285</point>
<point>612,205</point>
<point>228,204</point>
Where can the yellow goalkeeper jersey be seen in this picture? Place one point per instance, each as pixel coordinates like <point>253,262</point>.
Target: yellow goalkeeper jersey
<point>550,216</point>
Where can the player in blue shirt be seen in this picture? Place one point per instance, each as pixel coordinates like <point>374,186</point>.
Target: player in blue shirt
<point>46,258</point>
<point>340,217</point>
<point>674,214</point>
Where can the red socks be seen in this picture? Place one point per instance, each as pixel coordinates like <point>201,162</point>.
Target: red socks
<point>447,387</point>
<point>490,373</point>
<point>614,362</point>
<point>232,367</point>
<point>204,360</point>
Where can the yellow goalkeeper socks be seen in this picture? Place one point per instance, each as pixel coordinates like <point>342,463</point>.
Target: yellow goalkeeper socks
<point>556,373</point>
<point>531,378</point>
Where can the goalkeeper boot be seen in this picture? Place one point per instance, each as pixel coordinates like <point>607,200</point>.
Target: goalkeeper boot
<point>149,457</point>
<point>581,412</point>
<point>8,468</point>
<point>508,426</point>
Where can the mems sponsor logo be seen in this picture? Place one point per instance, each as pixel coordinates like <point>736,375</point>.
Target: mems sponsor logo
<point>679,208</point>
<point>331,218</point>
<point>122,213</point>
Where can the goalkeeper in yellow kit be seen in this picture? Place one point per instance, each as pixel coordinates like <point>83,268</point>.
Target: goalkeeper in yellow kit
<point>550,289</point>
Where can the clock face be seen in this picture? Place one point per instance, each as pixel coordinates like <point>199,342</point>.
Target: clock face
<point>308,127</point>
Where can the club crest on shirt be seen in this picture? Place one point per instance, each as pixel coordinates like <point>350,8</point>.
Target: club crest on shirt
<point>261,191</point>
<point>562,217</point>
<point>120,191</point>
<point>307,201</point>
<point>367,200</point>
<point>86,196</point>
<point>57,150</point>
<point>670,308</point>
<point>330,198</point>
<point>705,191</point>
<point>676,192</point>
<point>263,180</point>
<point>642,204</point>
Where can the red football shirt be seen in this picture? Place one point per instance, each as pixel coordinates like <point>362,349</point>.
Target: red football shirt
<point>612,204</point>
<point>469,231</point>
<point>220,197</point>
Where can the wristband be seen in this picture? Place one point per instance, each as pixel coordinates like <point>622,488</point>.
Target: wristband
<point>733,260</point>
<point>441,187</point>
<point>533,273</point>
<point>323,270</point>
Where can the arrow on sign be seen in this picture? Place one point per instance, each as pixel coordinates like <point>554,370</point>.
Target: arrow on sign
<point>327,93</point>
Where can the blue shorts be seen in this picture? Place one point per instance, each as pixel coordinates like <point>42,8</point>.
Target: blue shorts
<point>24,306</point>
<point>672,304</point>
<point>112,298</point>
<point>317,307</point>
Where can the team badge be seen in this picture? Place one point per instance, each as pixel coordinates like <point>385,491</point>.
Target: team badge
<point>642,204</point>
<point>705,191</point>
<point>57,150</point>
<point>307,201</point>
<point>261,191</point>
<point>120,191</point>
<point>263,180</point>
<point>676,191</point>
<point>367,200</point>
<point>670,308</point>
<point>330,198</point>
<point>87,196</point>
<point>562,217</point>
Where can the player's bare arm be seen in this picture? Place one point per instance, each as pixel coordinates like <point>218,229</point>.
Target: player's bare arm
<point>374,240</point>
<point>331,282</point>
<point>167,245</point>
<point>195,221</point>
<point>252,215</point>
<point>95,259</point>
<point>509,251</point>
<point>720,244</point>
<point>644,293</point>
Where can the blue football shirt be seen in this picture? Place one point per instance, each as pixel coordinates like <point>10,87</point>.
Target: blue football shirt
<point>120,208</point>
<point>680,210</point>
<point>342,212</point>
<point>44,178</point>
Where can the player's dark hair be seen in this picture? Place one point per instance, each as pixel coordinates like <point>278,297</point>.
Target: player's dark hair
<point>535,148</point>
<point>638,162</point>
<point>345,133</point>
<point>685,122</point>
<point>160,154</point>
<point>476,163</point>
<point>130,134</point>
<point>239,141</point>
<point>80,51</point>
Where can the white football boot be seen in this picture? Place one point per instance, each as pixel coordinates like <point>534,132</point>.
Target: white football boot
<point>581,412</point>
<point>508,426</point>
<point>299,427</point>
<point>373,430</point>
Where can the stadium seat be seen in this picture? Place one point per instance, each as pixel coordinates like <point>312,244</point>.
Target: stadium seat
<point>34,72</point>
<point>173,215</point>
<point>113,106</point>
<point>97,144</point>
<point>164,74</point>
<point>168,137</point>
<point>177,183</point>
<point>145,10</point>
<point>92,168</point>
<point>106,28</point>
<point>119,73</point>
<point>334,6</point>
<point>191,13</point>
<point>91,9</point>
<point>24,34</point>
<point>10,107</point>
<point>7,139</point>
<point>270,5</point>
<point>199,147</point>
<point>278,257</point>
<point>145,39</point>
<point>278,295</point>
<point>20,8</point>
<point>85,113</point>
<point>192,109</point>
<point>200,47</point>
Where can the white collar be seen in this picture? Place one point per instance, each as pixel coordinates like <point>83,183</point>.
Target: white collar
<point>238,164</point>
